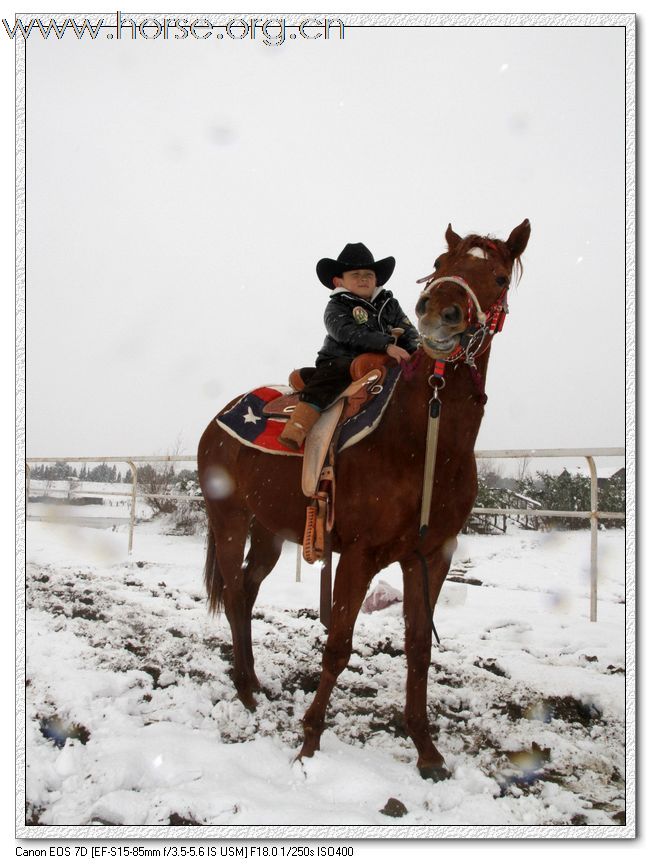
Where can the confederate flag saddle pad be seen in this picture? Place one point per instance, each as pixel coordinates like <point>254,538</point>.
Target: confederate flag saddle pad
<point>247,422</point>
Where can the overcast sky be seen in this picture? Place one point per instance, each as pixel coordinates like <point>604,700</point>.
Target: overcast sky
<point>180,194</point>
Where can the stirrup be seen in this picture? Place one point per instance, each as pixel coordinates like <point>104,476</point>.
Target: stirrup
<point>315,528</point>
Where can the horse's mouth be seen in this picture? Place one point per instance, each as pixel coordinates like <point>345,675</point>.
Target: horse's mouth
<point>440,348</point>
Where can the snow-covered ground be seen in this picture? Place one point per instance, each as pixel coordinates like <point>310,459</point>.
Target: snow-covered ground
<point>132,719</point>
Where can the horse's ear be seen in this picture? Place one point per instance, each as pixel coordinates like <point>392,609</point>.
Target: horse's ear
<point>452,238</point>
<point>518,239</point>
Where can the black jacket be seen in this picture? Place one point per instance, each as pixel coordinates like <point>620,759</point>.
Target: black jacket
<point>350,335</point>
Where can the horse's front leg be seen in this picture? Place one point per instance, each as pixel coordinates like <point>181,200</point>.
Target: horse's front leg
<point>418,644</point>
<point>354,573</point>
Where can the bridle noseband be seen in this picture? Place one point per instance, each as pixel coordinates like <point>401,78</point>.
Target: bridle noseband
<point>472,297</point>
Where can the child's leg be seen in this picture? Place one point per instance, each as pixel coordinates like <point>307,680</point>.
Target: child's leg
<point>327,382</point>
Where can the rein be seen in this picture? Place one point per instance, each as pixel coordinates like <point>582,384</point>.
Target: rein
<point>428,606</point>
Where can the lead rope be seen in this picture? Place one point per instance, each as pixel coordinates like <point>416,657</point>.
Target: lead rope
<point>488,326</point>
<point>437,383</point>
<point>428,606</point>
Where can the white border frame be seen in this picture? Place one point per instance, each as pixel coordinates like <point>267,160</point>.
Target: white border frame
<point>199,833</point>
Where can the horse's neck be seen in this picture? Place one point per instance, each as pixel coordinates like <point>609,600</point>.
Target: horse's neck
<point>461,405</point>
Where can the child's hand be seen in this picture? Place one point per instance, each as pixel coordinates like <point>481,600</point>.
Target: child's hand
<point>397,353</point>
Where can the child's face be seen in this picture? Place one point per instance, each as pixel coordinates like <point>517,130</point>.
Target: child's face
<point>360,282</point>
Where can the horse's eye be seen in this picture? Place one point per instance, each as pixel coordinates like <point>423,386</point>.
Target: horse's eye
<point>437,264</point>
<point>421,306</point>
<point>501,280</point>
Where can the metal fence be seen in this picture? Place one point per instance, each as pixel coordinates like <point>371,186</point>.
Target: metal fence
<point>594,514</point>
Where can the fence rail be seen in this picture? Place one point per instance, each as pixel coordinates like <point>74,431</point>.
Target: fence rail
<point>594,514</point>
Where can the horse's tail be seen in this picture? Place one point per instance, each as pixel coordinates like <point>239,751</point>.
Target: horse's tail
<point>212,576</point>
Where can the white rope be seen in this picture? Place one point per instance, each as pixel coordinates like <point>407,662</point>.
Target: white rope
<point>428,473</point>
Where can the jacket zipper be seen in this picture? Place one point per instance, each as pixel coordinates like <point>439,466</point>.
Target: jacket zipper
<point>379,315</point>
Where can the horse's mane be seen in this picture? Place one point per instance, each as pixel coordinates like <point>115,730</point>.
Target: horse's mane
<point>493,248</point>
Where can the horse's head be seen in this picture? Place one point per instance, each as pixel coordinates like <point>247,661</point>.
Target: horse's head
<point>468,288</point>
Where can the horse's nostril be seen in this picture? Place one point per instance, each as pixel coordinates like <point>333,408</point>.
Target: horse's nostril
<point>451,314</point>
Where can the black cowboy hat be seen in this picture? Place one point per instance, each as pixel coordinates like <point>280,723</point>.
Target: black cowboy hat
<point>354,256</point>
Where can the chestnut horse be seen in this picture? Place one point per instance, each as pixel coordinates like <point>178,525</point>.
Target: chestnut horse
<point>379,490</point>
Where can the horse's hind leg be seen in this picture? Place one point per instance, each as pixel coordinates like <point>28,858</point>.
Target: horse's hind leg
<point>230,529</point>
<point>418,644</point>
<point>264,552</point>
<point>354,573</point>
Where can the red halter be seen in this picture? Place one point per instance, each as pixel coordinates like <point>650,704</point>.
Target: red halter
<point>482,326</point>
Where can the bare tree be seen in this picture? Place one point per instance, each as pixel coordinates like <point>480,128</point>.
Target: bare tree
<point>156,484</point>
<point>522,472</point>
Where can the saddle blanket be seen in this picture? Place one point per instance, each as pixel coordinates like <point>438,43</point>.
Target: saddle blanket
<point>246,422</point>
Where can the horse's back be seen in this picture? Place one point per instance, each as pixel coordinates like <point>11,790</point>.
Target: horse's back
<point>233,474</point>
<point>214,444</point>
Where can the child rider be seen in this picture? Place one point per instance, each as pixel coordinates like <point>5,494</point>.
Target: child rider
<point>359,318</point>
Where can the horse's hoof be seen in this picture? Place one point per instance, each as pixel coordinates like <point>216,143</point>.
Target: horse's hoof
<point>247,700</point>
<point>435,773</point>
<point>306,751</point>
<point>299,764</point>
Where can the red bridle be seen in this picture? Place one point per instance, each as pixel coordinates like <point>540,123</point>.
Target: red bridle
<point>482,326</point>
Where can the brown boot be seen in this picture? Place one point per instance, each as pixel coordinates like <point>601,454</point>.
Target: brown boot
<point>301,421</point>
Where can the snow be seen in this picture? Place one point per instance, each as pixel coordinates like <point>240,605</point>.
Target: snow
<point>526,695</point>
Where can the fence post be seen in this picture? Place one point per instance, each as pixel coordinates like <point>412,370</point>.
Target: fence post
<point>594,529</point>
<point>132,520</point>
<point>299,556</point>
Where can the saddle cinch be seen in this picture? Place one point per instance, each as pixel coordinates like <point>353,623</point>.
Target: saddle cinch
<point>368,372</point>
